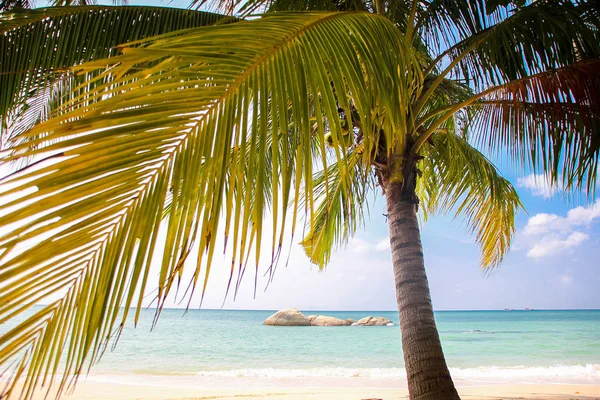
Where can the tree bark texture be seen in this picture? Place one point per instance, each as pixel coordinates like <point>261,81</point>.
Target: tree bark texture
<point>426,369</point>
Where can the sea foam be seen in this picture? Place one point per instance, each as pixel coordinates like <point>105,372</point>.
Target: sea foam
<point>589,373</point>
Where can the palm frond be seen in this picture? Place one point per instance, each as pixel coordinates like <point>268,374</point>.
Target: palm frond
<point>340,193</point>
<point>204,116</point>
<point>446,93</point>
<point>543,36</point>
<point>397,11</point>
<point>444,23</point>
<point>311,5</point>
<point>457,177</point>
<point>37,47</point>
<point>244,8</point>
<point>549,122</point>
<point>69,3</point>
<point>8,5</point>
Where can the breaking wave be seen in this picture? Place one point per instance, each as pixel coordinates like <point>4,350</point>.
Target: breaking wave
<point>589,373</point>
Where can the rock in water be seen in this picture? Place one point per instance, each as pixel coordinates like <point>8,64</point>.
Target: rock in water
<point>350,320</point>
<point>373,321</point>
<point>324,320</point>
<point>287,317</point>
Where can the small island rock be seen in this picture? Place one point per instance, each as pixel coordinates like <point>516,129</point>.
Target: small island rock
<point>324,320</point>
<point>373,321</point>
<point>287,317</point>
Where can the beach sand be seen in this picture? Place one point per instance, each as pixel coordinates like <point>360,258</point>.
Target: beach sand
<point>120,391</point>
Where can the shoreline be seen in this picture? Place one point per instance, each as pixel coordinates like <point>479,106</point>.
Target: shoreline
<point>326,377</point>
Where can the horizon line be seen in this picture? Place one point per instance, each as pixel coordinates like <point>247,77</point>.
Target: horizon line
<point>365,310</point>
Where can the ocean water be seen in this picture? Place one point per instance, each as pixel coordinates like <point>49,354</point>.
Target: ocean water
<point>481,347</point>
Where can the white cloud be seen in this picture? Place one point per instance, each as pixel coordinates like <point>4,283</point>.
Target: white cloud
<point>541,223</point>
<point>549,246</point>
<point>383,245</point>
<point>576,217</point>
<point>539,185</point>
<point>549,234</point>
<point>581,215</point>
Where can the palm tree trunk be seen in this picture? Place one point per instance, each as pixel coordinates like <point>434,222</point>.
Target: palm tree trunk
<point>426,369</point>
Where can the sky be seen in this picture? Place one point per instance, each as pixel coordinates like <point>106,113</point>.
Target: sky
<point>553,263</point>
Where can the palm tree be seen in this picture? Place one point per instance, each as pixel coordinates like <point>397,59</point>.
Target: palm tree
<point>212,128</point>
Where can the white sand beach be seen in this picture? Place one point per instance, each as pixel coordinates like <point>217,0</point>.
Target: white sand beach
<point>104,391</point>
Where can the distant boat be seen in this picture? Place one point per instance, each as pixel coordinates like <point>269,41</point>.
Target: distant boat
<point>528,309</point>
<point>508,309</point>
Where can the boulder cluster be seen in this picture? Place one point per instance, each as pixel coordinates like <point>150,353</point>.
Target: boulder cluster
<point>293,317</point>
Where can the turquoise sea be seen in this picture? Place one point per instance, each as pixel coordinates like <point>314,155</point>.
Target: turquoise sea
<point>480,347</point>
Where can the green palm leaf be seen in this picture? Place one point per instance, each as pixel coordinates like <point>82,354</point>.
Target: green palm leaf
<point>6,5</point>
<point>37,48</point>
<point>527,41</point>
<point>252,6</point>
<point>549,122</point>
<point>443,23</point>
<point>341,196</point>
<point>457,178</point>
<point>203,116</point>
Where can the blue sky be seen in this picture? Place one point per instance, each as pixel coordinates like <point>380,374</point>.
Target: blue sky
<point>553,264</point>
